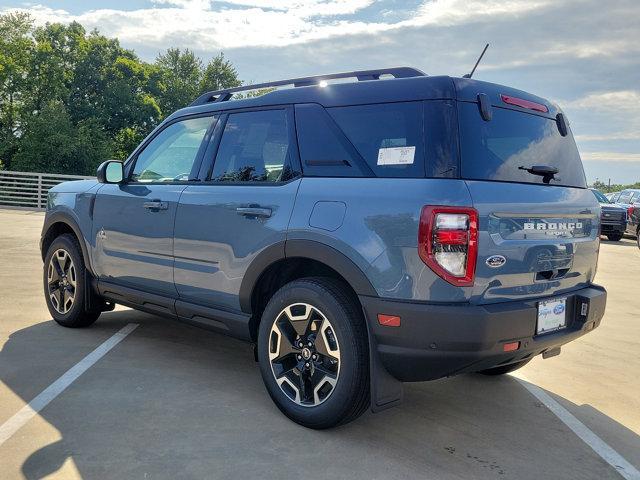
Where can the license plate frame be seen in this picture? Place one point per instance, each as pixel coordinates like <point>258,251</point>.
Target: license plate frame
<point>551,315</point>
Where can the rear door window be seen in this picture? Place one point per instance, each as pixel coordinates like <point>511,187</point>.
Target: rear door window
<point>495,150</point>
<point>388,136</point>
<point>254,147</point>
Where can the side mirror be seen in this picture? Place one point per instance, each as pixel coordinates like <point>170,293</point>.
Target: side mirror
<point>111,171</point>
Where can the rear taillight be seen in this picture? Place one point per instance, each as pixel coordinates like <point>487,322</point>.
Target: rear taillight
<point>629,212</point>
<point>448,242</point>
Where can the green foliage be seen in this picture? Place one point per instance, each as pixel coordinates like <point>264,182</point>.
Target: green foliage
<point>125,142</point>
<point>52,143</point>
<point>616,187</point>
<point>71,99</point>
<point>218,74</point>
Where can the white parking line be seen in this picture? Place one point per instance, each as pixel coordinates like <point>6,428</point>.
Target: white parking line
<point>26,413</point>
<point>598,445</point>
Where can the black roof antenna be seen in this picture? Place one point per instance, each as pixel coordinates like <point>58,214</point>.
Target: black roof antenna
<point>469,75</point>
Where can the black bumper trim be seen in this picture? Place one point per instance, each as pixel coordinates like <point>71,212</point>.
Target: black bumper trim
<point>436,341</point>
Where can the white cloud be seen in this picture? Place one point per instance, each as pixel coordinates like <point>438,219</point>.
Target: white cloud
<point>305,7</point>
<point>614,100</point>
<point>454,12</point>
<point>205,25</point>
<point>610,157</point>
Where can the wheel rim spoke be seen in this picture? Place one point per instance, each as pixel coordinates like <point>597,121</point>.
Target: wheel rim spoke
<point>61,281</point>
<point>325,342</point>
<point>304,354</point>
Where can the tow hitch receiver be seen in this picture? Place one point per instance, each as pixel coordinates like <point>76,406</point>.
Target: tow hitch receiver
<point>551,353</point>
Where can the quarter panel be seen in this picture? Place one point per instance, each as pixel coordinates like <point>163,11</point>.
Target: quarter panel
<point>379,232</point>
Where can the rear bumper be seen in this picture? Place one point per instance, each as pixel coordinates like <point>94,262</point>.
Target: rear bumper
<point>613,227</point>
<point>435,341</point>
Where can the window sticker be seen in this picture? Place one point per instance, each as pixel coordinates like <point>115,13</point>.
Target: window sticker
<point>396,156</point>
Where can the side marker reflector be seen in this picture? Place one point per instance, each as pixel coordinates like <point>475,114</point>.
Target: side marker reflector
<point>388,320</point>
<point>511,346</point>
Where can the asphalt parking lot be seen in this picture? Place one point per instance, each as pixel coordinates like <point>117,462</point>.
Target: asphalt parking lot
<point>174,401</point>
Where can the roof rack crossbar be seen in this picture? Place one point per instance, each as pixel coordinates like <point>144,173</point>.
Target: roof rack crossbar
<point>227,93</point>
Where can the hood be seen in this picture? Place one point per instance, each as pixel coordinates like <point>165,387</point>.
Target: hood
<point>612,208</point>
<point>75,186</point>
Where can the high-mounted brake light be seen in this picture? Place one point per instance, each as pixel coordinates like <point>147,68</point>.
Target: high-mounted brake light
<point>521,102</point>
<point>448,242</point>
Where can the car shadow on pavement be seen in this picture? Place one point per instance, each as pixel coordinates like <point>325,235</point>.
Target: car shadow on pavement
<point>174,401</point>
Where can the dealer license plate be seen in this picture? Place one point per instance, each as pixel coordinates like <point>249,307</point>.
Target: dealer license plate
<point>552,315</point>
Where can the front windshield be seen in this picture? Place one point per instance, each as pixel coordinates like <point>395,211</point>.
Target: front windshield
<point>601,198</point>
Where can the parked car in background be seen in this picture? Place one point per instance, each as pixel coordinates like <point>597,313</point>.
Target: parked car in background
<point>633,221</point>
<point>613,218</point>
<point>629,199</point>
<point>610,196</point>
<point>626,197</point>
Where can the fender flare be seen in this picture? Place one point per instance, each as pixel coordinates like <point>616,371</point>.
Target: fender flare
<point>308,249</point>
<point>66,218</point>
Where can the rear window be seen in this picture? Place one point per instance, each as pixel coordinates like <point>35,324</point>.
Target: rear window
<point>495,150</point>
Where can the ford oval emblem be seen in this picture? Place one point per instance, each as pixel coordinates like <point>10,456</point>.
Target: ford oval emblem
<point>496,261</point>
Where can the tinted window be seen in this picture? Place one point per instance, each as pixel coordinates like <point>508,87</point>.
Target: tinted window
<point>615,197</point>
<point>254,148</point>
<point>635,198</point>
<point>496,149</point>
<point>624,197</point>
<point>601,198</point>
<point>441,127</point>
<point>388,136</point>
<point>324,150</point>
<point>171,155</point>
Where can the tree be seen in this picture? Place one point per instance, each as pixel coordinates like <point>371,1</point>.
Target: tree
<point>218,74</point>
<point>70,99</point>
<point>180,72</point>
<point>15,52</point>
<point>53,144</point>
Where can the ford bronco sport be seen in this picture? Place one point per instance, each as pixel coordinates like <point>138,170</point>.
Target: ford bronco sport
<point>398,227</point>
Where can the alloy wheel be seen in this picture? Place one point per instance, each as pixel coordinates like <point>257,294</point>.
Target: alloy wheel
<point>61,281</point>
<point>304,354</point>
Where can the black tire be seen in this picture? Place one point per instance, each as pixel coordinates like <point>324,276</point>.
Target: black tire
<point>349,396</point>
<point>76,316</point>
<point>615,237</point>
<point>501,370</point>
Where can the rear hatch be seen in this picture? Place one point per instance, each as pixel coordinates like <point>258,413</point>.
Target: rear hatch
<point>538,230</point>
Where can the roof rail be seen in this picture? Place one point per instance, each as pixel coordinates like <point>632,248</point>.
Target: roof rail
<point>227,93</point>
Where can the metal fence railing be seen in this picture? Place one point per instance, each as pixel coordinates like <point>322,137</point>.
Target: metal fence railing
<point>29,189</point>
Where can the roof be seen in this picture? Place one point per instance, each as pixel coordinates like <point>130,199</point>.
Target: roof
<point>365,91</point>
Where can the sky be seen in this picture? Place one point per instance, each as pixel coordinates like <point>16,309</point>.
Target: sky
<point>582,54</point>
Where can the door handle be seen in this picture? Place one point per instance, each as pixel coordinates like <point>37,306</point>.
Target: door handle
<point>254,211</point>
<point>156,205</point>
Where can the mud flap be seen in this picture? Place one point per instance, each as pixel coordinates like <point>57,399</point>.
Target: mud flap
<point>93,302</point>
<point>386,391</point>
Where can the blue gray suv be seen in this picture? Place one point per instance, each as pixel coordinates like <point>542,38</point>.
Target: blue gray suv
<point>394,228</point>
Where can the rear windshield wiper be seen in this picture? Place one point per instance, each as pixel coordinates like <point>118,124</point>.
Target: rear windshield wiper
<point>546,172</point>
